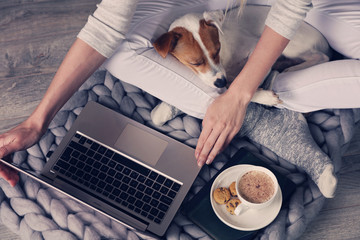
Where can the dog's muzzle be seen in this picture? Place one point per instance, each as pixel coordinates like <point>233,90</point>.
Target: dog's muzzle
<point>220,82</point>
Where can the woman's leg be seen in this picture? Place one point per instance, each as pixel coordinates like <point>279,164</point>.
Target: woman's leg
<point>339,22</point>
<point>286,133</point>
<point>333,84</point>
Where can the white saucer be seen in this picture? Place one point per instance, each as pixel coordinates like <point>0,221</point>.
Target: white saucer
<point>251,219</point>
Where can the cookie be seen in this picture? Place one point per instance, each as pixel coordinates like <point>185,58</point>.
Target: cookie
<point>232,204</point>
<point>221,195</point>
<point>233,189</point>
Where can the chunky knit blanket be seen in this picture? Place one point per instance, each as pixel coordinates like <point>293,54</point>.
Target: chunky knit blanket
<point>36,212</point>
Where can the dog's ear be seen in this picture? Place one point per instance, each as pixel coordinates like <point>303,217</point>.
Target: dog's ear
<point>166,43</point>
<point>215,17</point>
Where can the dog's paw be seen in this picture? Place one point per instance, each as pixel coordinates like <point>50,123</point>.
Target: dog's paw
<point>163,113</point>
<point>266,97</point>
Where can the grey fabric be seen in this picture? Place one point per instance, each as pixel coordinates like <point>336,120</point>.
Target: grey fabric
<point>36,212</point>
<point>287,134</point>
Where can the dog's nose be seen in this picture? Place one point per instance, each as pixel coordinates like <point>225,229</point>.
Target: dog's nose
<point>220,82</point>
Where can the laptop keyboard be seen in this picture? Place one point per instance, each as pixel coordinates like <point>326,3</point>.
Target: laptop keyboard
<point>117,178</point>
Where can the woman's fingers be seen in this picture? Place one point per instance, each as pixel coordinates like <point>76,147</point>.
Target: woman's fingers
<point>211,141</point>
<point>219,144</point>
<point>207,147</point>
<point>3,152</point>
<point>6,148</point>
<point>16,139</point>
<point>214,138</point>
<point>9,174</point>
<point>205,132</point>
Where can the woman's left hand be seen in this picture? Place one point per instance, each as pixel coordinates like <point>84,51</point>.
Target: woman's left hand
<point>222,121</point>
<point>224,117</point>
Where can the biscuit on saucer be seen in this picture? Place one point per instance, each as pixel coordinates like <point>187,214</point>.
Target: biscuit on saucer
<point>221,195</point>
<point>232,205</point>
<point>233,189</point>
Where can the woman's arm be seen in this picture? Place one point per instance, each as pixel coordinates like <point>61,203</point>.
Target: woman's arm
<point>96,41</point>
<point>225,115</point>
<point>267,51</point>
<point>79,63</point>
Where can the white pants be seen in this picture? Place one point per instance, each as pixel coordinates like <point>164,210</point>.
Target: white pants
<point>329,85</point>
<point>333,84</point>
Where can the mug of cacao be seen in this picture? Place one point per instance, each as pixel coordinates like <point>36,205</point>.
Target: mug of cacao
<point>256,188</point>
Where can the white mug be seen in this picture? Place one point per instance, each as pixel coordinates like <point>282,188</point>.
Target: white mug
<point>256,188</point>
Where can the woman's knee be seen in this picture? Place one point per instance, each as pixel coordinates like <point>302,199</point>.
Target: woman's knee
<point>338,23</point>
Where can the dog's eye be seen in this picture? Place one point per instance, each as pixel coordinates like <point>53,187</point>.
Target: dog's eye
<point>216,54</point>
<point>198,63</point>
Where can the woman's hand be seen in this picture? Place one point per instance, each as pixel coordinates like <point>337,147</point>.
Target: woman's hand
<point>221,123</point>
<point>21,137</point>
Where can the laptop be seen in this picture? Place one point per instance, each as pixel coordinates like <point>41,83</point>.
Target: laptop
<point>121,168</point>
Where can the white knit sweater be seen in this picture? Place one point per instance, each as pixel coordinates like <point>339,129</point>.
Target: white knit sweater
<point>109,23</point>
<point>107,26</point>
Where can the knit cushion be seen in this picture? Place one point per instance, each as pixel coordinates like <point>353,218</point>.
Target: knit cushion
<point>35,211</point>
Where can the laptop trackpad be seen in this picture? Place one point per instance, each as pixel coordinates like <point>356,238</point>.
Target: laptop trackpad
<point>140,144</point>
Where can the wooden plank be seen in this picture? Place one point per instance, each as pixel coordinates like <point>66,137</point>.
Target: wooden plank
<point>35,36</point>
<point>34,39</point>
<point>337,224</point>
<point>22,96</point>
<point>340,217</point>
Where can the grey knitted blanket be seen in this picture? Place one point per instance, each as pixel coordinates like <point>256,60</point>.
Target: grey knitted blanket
<point>36,212</point>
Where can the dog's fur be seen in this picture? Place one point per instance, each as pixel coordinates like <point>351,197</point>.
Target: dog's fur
<point>216,47</point>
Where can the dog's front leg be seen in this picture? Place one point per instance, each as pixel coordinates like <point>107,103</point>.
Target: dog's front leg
<point>163,112</point>
<point>266,97</point>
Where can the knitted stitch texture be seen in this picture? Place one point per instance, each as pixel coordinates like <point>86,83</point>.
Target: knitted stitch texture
<point>35,211</point>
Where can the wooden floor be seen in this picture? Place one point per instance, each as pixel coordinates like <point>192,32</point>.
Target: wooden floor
<point>34,37</point>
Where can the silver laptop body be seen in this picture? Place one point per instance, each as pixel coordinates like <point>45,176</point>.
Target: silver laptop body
<point>157,169</point>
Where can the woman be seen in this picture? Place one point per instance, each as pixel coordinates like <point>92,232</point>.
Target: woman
<point>222,120</point>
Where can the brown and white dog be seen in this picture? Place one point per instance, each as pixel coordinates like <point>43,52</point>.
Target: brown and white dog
<point>216,46</point>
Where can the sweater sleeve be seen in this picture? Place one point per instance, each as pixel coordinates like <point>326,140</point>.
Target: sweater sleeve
<point>107,26</point>
<point>286,16</point>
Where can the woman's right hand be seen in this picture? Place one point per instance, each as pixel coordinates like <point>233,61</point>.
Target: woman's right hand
<point>19,138</point>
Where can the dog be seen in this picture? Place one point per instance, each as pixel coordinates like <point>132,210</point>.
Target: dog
<point>216,45</point>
